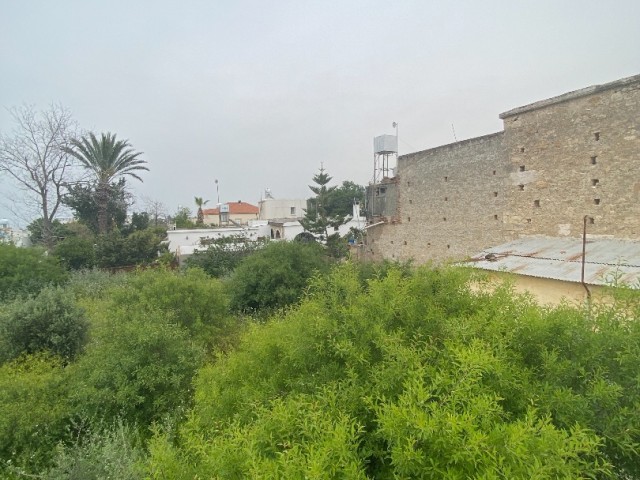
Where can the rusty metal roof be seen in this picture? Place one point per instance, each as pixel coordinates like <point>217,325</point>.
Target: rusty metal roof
<point>606,259</point>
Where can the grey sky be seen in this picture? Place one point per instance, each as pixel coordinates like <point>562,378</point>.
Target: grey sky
<point>257,94</point>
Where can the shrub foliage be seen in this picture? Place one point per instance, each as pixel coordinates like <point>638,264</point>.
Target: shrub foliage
<point>415,376</point>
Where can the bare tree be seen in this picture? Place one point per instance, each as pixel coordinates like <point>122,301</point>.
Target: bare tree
<point>36,162</point>
<point>156,210</point>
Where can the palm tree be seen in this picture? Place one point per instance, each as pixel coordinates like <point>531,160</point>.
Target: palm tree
<point>200,203</point>
<point>107,159</point>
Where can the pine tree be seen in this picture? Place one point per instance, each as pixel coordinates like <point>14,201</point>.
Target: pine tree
<point>317,218</point>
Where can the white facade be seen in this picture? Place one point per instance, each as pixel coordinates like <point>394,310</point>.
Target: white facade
<point>184,242</point>
<point>16,236</point>
<point>272,208</point>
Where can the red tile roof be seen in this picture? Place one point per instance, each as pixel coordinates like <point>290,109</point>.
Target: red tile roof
<point>235,208</point>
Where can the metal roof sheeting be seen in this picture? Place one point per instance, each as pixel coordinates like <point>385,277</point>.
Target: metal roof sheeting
<point>561,259</point>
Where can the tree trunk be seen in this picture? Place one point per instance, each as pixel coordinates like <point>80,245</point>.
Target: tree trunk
<point>102,197</point>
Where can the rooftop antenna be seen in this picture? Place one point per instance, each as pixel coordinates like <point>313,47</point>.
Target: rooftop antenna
<point>454,133</point>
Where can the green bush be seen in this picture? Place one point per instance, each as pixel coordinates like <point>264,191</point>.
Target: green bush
<point>138,367</point>
<point>35,414</point>
<point>139,248</point>
<point>27,271</point>
<point>76,253</point>
<point>115,453</point>
<point>417,376</point>
<point>190,298</point>
<point>223,255</point>
<point>50,322</point>
<point>276,276</point>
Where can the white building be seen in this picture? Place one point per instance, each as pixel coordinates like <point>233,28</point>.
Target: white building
<point>272,208</point>
<point>16,236</point>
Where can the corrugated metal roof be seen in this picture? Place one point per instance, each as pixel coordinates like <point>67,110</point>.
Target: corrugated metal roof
<point>561,259</point>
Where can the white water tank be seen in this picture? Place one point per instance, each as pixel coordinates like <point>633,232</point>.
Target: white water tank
<point>385,144</point>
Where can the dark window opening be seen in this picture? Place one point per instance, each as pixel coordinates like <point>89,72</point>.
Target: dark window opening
<point>444,219</point>
<point>596,201</point>
<point>446,199</point>
<point>522,168</point>
<point>596,135</point>
<point>495,217</point>
<point>408,219</point>
<point>405,242</point>
<point>536,203</point>
<point>448,246</point>
<point>594,160</point>
<point>446,179</point>
<point>521,187</point>
<point>528,220</point>
<point>595,182</point>
<point>410,201</point>
<point>494,172</point>
<point>495,194</point>
<point>521,149</point>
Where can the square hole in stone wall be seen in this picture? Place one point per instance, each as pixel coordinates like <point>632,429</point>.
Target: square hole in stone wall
<point>596,135</point>
<point>495,194</point>
<point>521,187</point>
<point>594,160</point>
<point>596,201</point>
<point>528,220</point>
<point>536,203</point>
<point>595,182</point>
<point>495,217</point>
<point>522,169</point>
<point>446,199</point>
<point>494,172</point>
<point>444,219</point>
<point>446,179</point>
<point>521,149</point>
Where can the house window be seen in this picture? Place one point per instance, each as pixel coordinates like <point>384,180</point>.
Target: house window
<point>293,210</point>
<point>522,168</point>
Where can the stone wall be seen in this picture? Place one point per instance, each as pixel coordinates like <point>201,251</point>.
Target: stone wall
<point>574,157</point>
<point>555,162</point>
<point>450,202</point>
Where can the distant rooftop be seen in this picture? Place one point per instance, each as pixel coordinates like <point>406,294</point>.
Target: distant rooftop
<point>236,208</point>
<point>561,259</point>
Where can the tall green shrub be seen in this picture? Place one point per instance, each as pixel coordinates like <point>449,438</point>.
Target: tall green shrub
<point>417,376</point>
<point>276,276</point>
<point>27,271</point>
<point>50,322</point>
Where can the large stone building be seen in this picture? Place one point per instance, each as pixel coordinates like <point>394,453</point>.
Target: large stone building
<point>556,161</point>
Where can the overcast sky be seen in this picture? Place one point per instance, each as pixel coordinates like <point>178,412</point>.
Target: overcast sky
<point>257,94</point>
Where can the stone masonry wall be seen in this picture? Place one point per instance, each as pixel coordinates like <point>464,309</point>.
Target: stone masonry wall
<point>450,202</point>
<point>556,161</point>
<point>574,158</point>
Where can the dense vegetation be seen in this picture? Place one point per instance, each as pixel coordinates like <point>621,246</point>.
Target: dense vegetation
<point>361,371</point>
